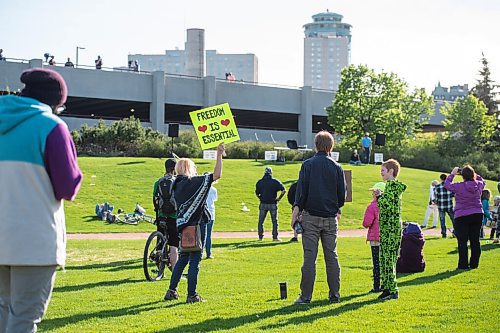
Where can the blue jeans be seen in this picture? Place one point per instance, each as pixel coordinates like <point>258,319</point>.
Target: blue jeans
<point>442,219</point>
<point>208,242</point>
<point>367,154</point>
<point>263,209</point>
<point>194,259</point>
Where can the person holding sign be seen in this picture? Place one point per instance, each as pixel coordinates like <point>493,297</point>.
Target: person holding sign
<point>190,193</point>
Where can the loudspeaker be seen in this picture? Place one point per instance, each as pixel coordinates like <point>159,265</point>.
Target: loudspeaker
<point>380,139</point>
<point>173,130</point>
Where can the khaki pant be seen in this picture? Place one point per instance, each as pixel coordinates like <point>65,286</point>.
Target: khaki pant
<point>314,229</point>
<point>24,296</point>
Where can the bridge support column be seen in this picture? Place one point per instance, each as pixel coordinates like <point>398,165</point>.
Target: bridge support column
<point>157,106</point>
<point>209,91</point>
<point>305,118</point>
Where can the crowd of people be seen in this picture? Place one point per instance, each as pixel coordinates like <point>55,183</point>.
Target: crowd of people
<point>40,145</point>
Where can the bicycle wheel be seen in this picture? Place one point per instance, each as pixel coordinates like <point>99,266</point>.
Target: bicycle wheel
<point>153,260</point>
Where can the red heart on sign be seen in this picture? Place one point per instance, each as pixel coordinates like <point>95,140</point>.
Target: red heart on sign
<point>225,122</point>
<point>202,128</point>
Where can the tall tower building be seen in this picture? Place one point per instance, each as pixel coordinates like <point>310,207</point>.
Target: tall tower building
<point>327,49</point>
<point>195,53</point>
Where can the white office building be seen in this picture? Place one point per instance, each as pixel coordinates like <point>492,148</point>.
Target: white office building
<point>327,48</point>
<point>195,61</point>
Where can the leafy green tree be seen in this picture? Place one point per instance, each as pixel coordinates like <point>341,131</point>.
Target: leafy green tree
<point>372,102</point>
<point>467,123</point>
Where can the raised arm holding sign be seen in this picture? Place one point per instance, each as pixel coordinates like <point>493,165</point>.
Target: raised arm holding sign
<point>214,125</point>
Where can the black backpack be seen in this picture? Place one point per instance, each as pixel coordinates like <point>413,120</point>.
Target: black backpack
<point>163,194</point>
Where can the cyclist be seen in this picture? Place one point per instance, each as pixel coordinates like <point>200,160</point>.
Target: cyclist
<point>167,214</point>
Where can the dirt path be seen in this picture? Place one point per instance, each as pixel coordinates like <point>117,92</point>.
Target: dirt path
<point>285,235</point>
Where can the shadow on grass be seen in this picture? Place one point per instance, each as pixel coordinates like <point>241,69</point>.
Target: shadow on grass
<point>91,218</point>
<point>484,247</point>
<point>110,266</point>
<point>247,244</point>
<point>429,279</point>
<point>331,312</point>
<point>221,324</point>
<point>135,309</point>
<point>94,285</point>
<point>131,163</point>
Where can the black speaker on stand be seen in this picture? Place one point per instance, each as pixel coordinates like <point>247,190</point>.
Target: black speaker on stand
<point>173,132</point>
<point>380,139</point>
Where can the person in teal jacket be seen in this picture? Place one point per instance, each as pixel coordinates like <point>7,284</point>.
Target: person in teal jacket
<point>38,171</point>
<point>389,204</point>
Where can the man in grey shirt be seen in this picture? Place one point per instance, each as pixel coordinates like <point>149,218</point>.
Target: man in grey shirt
<point>321,191</point>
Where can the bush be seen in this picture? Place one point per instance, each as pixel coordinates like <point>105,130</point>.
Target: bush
<point>430,151</point>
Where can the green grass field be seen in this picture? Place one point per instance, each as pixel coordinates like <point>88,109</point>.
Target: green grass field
<point>125,181</point>
<point>104,290</point>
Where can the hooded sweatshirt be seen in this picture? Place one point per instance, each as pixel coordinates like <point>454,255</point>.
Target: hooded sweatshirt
<point>38,169</point>
<point>467,195</point>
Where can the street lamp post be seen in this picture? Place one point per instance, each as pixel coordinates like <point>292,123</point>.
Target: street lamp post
<point>78,48</point>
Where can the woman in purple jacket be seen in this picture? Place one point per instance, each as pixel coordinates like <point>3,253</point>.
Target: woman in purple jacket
<point>468,214</point>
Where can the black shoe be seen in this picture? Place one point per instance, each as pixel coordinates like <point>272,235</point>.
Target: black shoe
<point>294,239</point>
<point>375,290</point>
<point>385,293</point>
<point>334,299</point>
<point>171,295</point>
<point>195,299</point>
<point>391,296</point>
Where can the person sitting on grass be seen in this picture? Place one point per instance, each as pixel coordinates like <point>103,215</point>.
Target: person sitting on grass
<point>190,193</point>
<point>389,205</point>
<point>355,159</point>
<point>411,256</point>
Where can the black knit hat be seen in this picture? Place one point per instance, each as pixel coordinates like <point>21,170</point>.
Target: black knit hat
<point>44,85</point>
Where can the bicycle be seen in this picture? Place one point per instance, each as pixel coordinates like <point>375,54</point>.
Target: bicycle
<point>157,252</point>
<point>139,214</point>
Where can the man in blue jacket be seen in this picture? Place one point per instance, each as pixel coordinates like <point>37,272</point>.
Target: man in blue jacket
<point>267,190</point>
<point>321,192</point>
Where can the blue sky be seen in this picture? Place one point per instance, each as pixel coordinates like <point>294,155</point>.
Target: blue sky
<point>422,41</point>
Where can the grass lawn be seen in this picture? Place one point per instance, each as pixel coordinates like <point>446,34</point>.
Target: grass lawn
<point>104,290</point>
<point>125,181</point>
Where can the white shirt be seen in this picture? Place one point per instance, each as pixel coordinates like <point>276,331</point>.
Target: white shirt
<point>211,199</point>
<point>432,196</point>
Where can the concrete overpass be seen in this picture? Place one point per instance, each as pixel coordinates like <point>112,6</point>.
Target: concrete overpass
<point>157,99</point>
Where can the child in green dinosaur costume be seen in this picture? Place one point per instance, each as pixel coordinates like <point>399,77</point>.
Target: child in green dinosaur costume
<point>389,204</point>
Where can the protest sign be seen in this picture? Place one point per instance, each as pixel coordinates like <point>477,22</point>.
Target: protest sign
<point>214,125</point>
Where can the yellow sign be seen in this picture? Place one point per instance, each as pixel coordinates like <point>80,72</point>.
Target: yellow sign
<point>214,125</point>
